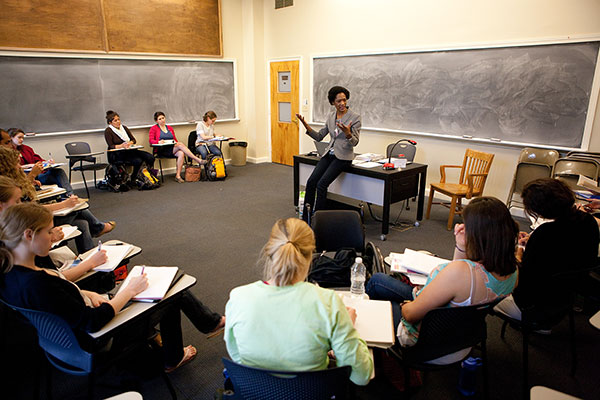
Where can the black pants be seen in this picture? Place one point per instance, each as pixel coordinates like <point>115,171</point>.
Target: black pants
<point>327,169</point>
<point>134,158</point>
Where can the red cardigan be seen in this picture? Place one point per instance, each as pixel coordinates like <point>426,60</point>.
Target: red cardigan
<point>28,156</point>
<point>155,134</point>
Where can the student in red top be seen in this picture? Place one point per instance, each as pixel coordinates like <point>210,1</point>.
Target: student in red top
<point>28,156</point>
<point>161,132</point>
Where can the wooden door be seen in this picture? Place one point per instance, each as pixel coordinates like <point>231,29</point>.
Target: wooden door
<point>284,106</point>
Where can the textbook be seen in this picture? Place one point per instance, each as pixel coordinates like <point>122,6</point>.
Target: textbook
<point>374,320</point>
<point>115,254</point>
<point>160,280</point>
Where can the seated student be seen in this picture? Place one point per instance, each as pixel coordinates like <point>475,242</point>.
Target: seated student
<point>10,194</point>
<point>285,323</point>
<point>28,156</point>
<point>118,136</point>
<point>161,132</point>
<point>568,243</point>
<point>25,232</point>
<point>484,268</point>
<point>206,131</point>
<point>86,222</point>
<point>5,140</point>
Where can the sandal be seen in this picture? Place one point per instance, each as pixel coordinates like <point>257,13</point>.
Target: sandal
<point>179,180</point>
<point>108,227</point>
<point>220,328</point>
<point>189,353</point>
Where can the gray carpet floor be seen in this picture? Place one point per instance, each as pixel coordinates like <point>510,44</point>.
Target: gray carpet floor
<point>215,230</point>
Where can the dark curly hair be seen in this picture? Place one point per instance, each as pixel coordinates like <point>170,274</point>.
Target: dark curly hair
<point>548,198</point>
<point>334,91</point>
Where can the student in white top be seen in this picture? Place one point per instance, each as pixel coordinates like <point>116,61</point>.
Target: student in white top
<point>206,131</point>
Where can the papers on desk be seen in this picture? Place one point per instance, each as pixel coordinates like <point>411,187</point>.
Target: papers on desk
<point>69,232</point>
<point>135,146</point>
<point>416,265</point>
<point>81,205</point>
<point>396,161</point>
<point>365,157</point>
<point>374,320</point>
<point>366,164</point>
<point>115,254</point>
<point>159,282</point>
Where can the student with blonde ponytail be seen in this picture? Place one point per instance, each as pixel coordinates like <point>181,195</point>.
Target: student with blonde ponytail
<point>285,323</point>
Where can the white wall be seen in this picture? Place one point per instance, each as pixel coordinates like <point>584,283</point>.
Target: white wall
<point>316,27</point>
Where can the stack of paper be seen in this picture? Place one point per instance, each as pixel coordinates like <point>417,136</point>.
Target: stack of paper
<point>69,232</point>
<point>115,254</point>
<point>416,265</point>
<point>159,282</point>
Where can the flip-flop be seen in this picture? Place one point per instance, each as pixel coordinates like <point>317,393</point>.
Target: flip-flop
<point>218,330</point>
<point>189,353</point>
<point>112,226</point>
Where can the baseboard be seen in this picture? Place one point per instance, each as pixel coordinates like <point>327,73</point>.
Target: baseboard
<point>259,160</point>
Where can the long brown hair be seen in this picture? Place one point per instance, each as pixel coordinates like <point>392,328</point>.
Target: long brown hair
<point>9,166</point>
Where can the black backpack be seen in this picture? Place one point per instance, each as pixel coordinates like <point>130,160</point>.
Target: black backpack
<point>116,178</point>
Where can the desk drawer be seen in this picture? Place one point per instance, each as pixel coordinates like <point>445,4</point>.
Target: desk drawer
<point>404,187</point>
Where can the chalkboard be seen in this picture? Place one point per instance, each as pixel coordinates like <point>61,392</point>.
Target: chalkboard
<point>526,94</point>
<point>73,94</point>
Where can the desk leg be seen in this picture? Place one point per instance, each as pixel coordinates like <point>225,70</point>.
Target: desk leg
<point>296,182</point>
<point>385,218</point>
<point>421,201</point>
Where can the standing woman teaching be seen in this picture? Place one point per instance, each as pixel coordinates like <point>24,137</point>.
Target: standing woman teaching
<point>118,136</point>
<point>206,131</point>
<point>343,127</point>
<point>161,132</point>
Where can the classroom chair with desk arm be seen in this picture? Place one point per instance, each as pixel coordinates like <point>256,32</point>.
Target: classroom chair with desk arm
<point>443,331</point>
<point>473,175</point>
<point>63,350</point>
<point>256,383</point>
<point>80,152</point>
<point>568,169</point>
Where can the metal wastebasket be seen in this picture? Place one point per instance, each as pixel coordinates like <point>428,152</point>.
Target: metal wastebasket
<point>237,151</point>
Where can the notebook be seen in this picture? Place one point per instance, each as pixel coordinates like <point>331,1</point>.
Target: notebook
<point>374,320</point>
<point>160,280</point>
<point>115,254</point>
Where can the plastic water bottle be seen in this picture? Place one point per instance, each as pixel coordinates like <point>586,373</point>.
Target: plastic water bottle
<point>357,278</point>
<point>467,380</point>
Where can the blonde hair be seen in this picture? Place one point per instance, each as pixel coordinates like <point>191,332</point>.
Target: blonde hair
<point>7,188</point>
<point>287,255</point>
<point>9,166</point>
<point>13,223</point>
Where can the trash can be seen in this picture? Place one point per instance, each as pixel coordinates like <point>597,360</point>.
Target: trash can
<point>237,151</point>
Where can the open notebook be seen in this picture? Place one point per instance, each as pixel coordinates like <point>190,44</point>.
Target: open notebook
<point>114,253</point>
<point>160,279</point>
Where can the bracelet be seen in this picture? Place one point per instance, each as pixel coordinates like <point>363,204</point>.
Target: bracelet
<point>459,249</point>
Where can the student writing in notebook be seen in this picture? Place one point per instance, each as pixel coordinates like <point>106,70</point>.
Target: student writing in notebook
<point>10,194</point>
<point>285,323</point>
<point>205,131</point>
<point>26,232</point>
<point>484,268</point>
<point>28,156</point>
<point>86,222</point>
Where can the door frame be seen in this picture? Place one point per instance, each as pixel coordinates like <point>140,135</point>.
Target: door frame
<point>269,110</point>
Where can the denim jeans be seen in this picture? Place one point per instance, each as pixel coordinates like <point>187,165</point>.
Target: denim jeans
<point>56,176</point>
<point>204,152</point>
<point>88,225</point>
<point>385,287</point>
<point>327,169</point>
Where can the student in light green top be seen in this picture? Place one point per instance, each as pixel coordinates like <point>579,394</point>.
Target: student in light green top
<point>287,324</point>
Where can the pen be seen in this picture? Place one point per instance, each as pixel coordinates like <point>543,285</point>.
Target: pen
<point>99,245</point>
<point>143,267</point>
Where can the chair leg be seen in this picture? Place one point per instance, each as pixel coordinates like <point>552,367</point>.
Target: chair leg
<point>429,202</point>
<point>406,393</point>
<point>162,178</point>
<point>87,191</point>
<point>48,380</point>
<point>452,211</point>
<point>484,368</point>
<point>169,385</point>
<point>503,330</point>
<point>525,364</point>
<point>91,382</point>
<point>572,337</point>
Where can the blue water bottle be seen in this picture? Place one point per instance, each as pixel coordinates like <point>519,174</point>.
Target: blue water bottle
<point>467,380</point>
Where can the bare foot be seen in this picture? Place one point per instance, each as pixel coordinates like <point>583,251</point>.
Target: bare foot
<point>189,353</point>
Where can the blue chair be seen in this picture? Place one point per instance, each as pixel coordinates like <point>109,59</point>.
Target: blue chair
<point>62,349</point>
<point>251,383</point>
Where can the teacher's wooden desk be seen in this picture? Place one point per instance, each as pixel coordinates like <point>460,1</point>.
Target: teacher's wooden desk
<point>371,185</point>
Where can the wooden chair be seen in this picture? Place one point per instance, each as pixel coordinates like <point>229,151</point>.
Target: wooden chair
<point>473,174</point>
